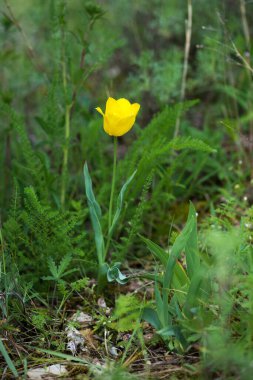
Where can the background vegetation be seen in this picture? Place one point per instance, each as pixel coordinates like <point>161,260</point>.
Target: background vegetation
<point>186,309</point>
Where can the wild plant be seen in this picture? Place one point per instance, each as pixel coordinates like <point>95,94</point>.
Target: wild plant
<point>144,158</point>
<point>119,118</point>
<point>181,290</point>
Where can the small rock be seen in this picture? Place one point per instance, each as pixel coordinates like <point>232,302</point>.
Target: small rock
<point>36,373</point>
<point>113,351</point>
<point>82,317</point>
<point>75,339</point>
<point>57,369</point>
<point>40,373</point>
<point>102,303</point>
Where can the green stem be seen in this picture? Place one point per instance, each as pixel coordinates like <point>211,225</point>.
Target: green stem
<point>3,253</point>
<point>67,121</point>
<point>112,193</point>
<point>65,153</point>
<point>113,182</point>
<point>102,277</point>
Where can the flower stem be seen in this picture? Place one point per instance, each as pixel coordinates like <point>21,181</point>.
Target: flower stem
<point>113,182</point>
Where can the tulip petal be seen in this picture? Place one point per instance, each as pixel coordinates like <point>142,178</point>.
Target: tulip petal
<point>123,126</point>
<point>110,123</point>
<point>123,107</point>
<point>100,111</point>
<point>110,105</point>
<point>135,108</point>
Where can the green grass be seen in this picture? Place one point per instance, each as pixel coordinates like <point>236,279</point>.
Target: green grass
<point>127,258</point>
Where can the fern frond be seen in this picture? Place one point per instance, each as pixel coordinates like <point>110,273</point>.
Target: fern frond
<point>64,264</point>
<point>180,143</point>
<point>52,267</point>
<point>32,163</point>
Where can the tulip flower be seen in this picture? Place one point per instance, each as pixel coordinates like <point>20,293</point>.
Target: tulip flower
<point>119,116</point>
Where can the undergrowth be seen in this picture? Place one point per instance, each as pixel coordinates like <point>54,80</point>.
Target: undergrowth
<point>164,289</point>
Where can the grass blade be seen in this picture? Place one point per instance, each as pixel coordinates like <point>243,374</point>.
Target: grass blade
<point>120,203</point>
<point>95,214</point>
<point>8,360</point>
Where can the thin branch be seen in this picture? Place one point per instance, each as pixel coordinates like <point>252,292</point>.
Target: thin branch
<point>28,47</point>
<point>188,35</point>
<point>245,24</point>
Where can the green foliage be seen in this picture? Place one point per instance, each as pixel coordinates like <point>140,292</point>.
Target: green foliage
<point>115,373</point>
<point>155,75</point>
<point>182,290</point>
<point>95,213</point>
<point>208,298</point>
<point>61,59</point>
<point>230,270</point>
<point>8,359</point>
<point>35,232</point>
<point>32,167</point>
<point>114,274</point>
<point>120,203</point>
<point>154,151</point>
<point>40,319</point>
<point>60,271</point>
<point>127,313</point>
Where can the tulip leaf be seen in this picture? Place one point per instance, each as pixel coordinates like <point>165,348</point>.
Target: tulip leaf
<point>89,191</point>
<point>193,293</point>
<point>180,277</point>
<point>191,248</point>
<point>157,251</point>
<point>177,248</point>
<point>160,307</point>
<point>114,274</point>
<point>179,245</point>
<point>120,203</point>
<point>150,315</point>
<point>173,331</point>
<point>95,214</point>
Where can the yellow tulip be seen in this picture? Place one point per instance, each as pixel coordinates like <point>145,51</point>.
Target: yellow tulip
<point>119,116</point>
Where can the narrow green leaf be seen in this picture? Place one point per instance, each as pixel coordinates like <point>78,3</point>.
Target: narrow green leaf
<point>160,307</point>
<point>152,277</point>
<point>191,248</point>
<point>8,359</point>
<point>150,315</point>
<point>120,203</point>
<point>95,214</point>
<point>177,248</point>
<point>89,191</point>
<point>157,251</point>
<point>180,277</point>
<point>48,278</point>
<point>69,272</point>
<point>176,332</point>
<point>65,356</point>
<point>193,293</point>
